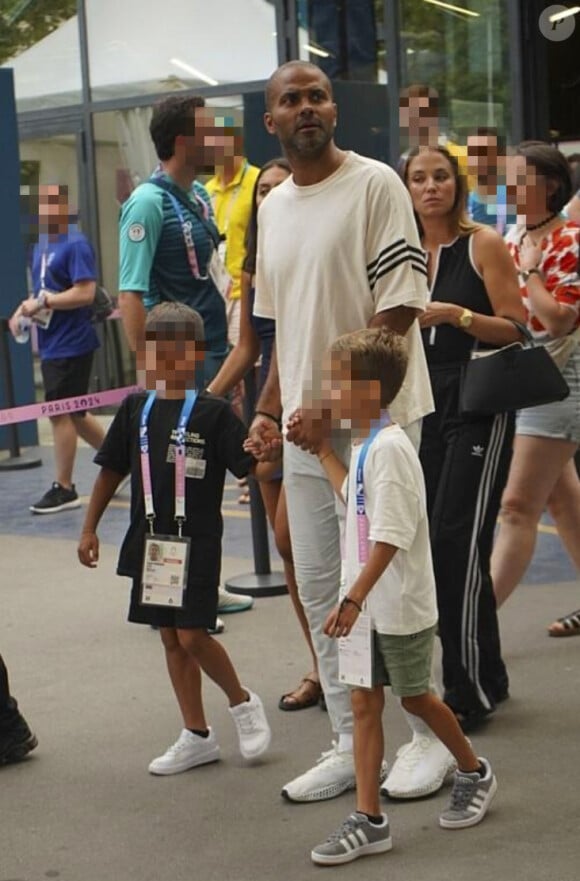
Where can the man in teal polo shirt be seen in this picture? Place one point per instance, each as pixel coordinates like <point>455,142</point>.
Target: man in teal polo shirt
<point>168,242</point>
<point>167,232</point>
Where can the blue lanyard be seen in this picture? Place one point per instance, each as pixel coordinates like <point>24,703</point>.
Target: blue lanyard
<point>186,225</point>
<point>186,411</point>
<point>186,229</point>
<point>384,421</point>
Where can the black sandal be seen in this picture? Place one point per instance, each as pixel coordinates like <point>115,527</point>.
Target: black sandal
<point>568,625</point>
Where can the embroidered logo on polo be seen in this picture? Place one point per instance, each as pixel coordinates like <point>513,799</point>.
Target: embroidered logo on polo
<point>136,232</point>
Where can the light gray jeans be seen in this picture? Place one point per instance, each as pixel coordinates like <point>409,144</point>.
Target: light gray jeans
<point>315,537</point>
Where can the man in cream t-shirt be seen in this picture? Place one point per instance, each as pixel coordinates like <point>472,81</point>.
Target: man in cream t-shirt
<point>338,250</point>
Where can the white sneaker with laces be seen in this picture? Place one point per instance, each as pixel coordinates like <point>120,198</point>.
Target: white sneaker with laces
<point>252,726</point>
<point>188,751</point>
<point>420,769</point>
<point>332,775</point>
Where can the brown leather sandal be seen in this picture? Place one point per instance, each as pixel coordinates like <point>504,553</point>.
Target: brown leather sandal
<point>568,625</point>
<point>306,695</point>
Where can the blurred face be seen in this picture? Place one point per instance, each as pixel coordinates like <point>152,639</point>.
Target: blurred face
<point>53,211</point>
<point>419,118</point>
<point>351,402</point>
<point>269,180</point>
<point>431,183</point>
<point>482,157</point>
<point>197,148</point>
<point>170,364</point>
<point>302,113</point>
<point>526,189</point>
<point>225,144</point>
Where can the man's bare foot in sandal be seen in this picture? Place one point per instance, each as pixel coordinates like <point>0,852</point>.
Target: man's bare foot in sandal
<point>569,625</point>
<point>306,695</point>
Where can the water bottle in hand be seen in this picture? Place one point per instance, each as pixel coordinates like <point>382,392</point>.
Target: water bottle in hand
<point>22,334</point>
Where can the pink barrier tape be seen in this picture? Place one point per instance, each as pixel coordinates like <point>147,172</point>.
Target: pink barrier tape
<point>66,405</point>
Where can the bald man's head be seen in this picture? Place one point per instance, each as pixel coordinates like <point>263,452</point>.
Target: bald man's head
<point>282,72</point>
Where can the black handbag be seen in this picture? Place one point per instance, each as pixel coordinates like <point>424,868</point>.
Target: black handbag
<point>518,376</point>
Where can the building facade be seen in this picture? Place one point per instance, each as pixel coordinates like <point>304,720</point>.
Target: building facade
<point>87,72</point>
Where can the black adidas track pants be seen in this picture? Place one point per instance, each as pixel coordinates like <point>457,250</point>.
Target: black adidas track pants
<point>465,462</point>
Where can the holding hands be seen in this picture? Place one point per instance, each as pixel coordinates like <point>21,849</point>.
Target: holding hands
<point>307,429</point>
<point>265,438</point>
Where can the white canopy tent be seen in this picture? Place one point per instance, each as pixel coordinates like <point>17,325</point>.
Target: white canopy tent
<point>135,50</point>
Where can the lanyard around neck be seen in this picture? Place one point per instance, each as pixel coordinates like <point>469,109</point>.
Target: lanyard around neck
<point>43,260</point>
<point>187,232</point>
<point>186,411</point>
<point>362,523</point>
<point>186,225</point>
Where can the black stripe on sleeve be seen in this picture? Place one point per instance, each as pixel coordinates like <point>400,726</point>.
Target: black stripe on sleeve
<point>418,267</point>
<point>394,256</point>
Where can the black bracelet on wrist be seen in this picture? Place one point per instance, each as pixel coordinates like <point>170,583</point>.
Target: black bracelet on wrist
<point>348,601</point>
<point>269,416</point>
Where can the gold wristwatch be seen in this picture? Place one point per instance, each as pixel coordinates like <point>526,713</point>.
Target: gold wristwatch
<point>465,319</point>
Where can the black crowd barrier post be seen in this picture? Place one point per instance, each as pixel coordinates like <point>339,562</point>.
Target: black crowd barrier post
<point>262,582</point>
<point>15,460</point>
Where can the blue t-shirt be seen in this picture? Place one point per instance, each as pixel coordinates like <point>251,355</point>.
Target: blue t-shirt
<point>153,256</point>
<point>495,213</point>
<point>69,259</point>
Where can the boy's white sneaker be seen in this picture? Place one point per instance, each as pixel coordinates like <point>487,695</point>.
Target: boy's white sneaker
<point>332,775</point>
<point>420,768</point>
<point>252,726</point>
<point>188,751</point>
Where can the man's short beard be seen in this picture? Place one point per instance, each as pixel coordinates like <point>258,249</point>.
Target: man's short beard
<point>312,150</point>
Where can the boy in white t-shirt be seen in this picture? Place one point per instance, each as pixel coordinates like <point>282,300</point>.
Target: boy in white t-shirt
<point>389,577</point>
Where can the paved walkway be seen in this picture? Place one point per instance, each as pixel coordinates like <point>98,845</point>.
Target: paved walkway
<point>84,808</point>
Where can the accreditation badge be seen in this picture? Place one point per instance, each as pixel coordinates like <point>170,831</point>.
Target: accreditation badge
<point>43,318</point>
<point>355,666</point>
<point>220,276</point>
<point>165,567</point>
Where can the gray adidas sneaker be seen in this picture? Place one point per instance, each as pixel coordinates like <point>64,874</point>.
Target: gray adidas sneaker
<point>357,837</point>
<point>470,798</point>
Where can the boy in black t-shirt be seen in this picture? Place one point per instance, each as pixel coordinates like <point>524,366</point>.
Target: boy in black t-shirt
<point>178,446</point>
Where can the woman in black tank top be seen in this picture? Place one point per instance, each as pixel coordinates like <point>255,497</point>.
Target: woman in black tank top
<point>474,291</point>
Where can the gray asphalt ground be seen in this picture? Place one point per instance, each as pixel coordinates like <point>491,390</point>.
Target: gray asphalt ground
<point>84,808</point>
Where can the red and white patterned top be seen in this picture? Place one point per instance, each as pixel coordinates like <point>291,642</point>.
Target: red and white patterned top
<point>559,265</point>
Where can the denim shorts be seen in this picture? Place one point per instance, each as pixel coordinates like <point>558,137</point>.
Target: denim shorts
<point>560,420</point>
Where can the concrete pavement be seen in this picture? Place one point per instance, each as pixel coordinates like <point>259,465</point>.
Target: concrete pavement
<point>95,690</point>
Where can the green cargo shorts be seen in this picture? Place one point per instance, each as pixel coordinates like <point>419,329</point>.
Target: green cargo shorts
<point>403,662</point>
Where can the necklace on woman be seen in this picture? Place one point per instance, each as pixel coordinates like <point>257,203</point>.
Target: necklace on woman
<point>531,226</point>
